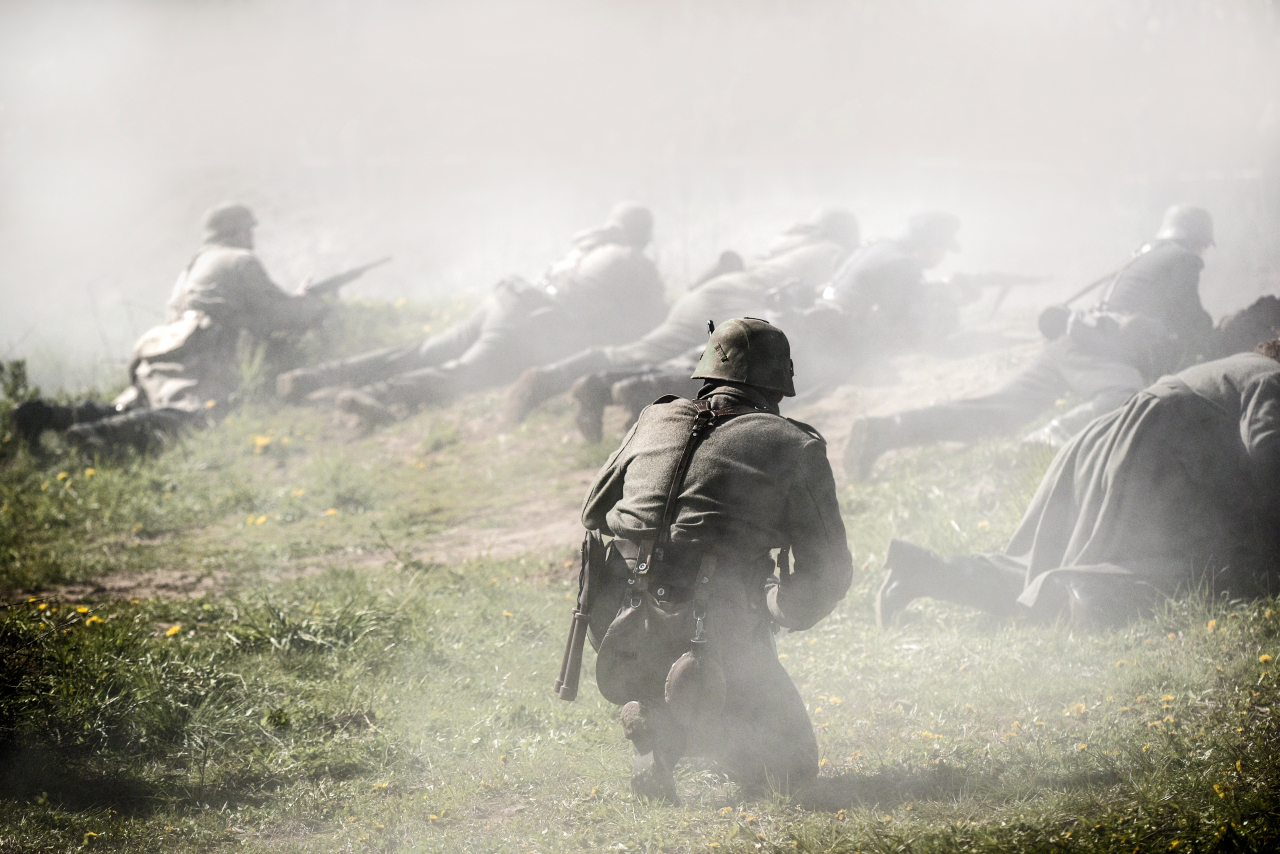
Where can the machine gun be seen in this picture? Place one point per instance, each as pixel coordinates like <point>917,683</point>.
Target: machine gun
<point>324,287</point>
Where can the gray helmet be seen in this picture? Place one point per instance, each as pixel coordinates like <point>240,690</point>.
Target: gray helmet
<point>228,218</point>
<point>1187,224</point>
<point>933,229</point>
<point>636,222</point>
<point>748,351</point>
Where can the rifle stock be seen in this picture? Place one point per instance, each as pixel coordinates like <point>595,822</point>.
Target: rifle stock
<point>566,686</point>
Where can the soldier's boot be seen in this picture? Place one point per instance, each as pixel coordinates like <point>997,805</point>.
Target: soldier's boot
<point>143,431</point>
<point>298,385</point>
<point>534,386</point>
<point>370,413</point>
<point>32,418</point>
<point>634,394</point>
<point>914,572</point>
<point>657,742</point>
<point>868,439</point>
<point>591,394</point>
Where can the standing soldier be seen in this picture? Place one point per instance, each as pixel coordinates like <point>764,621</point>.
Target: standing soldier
<point>604,289</point>
<point>186,371</point>
<point>697,495</point>
<point>1149,319</point>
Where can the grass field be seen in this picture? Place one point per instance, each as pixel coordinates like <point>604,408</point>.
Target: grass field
<point>335,687</point>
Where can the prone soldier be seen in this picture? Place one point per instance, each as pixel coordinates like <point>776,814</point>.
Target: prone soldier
<point>605,288</point>
<point>696,496</point>
<point>1148,319</point>
<point>186,372</point>
<point>808,252</point>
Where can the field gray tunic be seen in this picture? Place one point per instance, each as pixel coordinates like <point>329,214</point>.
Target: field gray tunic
<point>756,482</point>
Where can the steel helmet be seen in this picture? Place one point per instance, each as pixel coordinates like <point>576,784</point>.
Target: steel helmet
<point>635,221</point>
<point>748,351</point>
<point>1187,224</point>
<point>934,229</point>
<point>228,218</point>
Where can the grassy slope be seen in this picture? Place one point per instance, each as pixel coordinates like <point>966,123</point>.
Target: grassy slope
<point>338,693</point>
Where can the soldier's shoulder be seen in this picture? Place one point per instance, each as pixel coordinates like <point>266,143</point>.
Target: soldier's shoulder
<point>226,258</point>
<point>808,429</point>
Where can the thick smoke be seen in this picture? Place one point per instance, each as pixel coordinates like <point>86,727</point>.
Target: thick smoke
<point>469,140</point>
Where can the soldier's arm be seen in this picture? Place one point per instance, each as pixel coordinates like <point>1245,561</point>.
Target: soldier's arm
<point>606,491</point>
<point>1190,320</point>
<point>1260,430</point>
<point>265,307</point>
<point>823,567</point>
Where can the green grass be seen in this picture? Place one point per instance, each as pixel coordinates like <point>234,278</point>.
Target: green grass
<point>338,692</point>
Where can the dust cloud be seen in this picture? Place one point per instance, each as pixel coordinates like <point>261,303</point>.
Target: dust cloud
<point>471,140</point>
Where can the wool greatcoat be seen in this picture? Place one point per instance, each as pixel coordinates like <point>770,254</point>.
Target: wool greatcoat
<point>756,482</point>
<point>1179,487</point>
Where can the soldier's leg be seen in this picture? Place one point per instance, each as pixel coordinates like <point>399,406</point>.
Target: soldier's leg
<point>990,583</point>
<point>657,742</point>
<point>378,365</point>
<point>1032,391</point>
<point>140,431</point>
<point>542,383</point>
<point>1104,384</point>
<point>32,418</point>
<point>764,739</point>
<point>635,393</point>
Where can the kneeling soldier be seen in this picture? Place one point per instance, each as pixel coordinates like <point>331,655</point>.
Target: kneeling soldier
<point>697,496</point>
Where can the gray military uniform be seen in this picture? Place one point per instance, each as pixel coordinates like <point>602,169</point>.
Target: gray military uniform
<point>798,255</point>
<point>190,364</point>
<point>1158,287</point>
<point>604,289</point>
<point>756,482</point>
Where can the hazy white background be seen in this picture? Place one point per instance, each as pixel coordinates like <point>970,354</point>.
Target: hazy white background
<point>469,140</point>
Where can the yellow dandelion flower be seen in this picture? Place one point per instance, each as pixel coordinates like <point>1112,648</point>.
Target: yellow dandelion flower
<point>1082,746</point>
<point>332,511</point>
<point>93,619</point>
<point>507,614</point>
<point>379,785</point>
<point>260,520</point>
<point>42,606</point>
<point>173,630</point>
<point>1264,658</point>
<point>44,487</point>
<point>80,609</point>
<point>822,763</point>
<point>210,404</point>
<point>1166,698</point>
<point>1213,624</point>
<point>90,472</point>
<point>62,475</point>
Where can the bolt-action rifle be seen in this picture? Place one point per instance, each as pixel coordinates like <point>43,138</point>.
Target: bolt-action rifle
<point>324,287</point>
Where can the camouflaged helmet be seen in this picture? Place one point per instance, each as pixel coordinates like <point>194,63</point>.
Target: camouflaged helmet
<point>748,351</point>
<point>228,218</point>
<point>1187,224</point>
